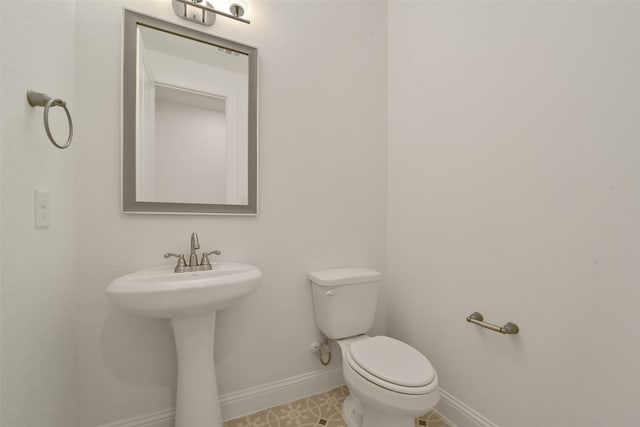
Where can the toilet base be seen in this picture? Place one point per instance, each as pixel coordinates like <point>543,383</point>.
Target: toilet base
<point>354,416</point>
<point>373,418</point>
<point>352,411</point>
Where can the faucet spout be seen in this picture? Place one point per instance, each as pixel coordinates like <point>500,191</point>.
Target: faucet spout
<point>193,265</point>
<point>195,244</point>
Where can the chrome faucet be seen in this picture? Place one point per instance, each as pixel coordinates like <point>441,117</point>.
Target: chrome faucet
<point>193,265</point>
<point>195,244</point>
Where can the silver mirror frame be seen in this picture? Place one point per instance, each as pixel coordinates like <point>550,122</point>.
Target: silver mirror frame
<point>130,204</point>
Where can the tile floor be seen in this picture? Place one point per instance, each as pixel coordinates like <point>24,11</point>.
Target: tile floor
<point>324,409</point>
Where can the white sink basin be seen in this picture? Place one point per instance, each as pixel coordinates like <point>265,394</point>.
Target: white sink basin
<point>160,292</point>
<point>191,300</point>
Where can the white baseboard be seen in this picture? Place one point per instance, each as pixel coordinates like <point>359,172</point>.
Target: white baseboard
<point>278,392</point>
<point>460,415</point>
<point>250,400</point>
<point>254,399</point>
<point>164,418</point>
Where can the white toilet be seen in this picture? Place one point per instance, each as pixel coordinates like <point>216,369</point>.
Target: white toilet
<point>390,382</point>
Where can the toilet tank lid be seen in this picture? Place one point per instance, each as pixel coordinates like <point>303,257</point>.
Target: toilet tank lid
<point>344,276</point>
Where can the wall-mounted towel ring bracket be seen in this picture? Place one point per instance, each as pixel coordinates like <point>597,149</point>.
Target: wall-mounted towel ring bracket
<point>37,99</point>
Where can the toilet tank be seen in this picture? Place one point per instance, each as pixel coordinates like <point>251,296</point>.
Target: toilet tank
<point>344,300</point>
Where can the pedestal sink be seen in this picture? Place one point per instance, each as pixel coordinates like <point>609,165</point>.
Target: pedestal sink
<point>191,300</point>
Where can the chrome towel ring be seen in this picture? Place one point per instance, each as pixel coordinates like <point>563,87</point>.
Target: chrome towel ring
<point>37,99</point>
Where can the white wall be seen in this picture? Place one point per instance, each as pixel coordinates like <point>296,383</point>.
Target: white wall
<point>322,199</point>
<point>513,190</point>
<point>38,359</point>
<point>200,144</point>
<point>1,203</point>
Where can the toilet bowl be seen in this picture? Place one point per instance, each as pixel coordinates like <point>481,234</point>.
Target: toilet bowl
<point>390,382</point>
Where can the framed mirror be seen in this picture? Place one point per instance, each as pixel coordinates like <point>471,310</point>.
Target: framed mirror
<point>189,115</point>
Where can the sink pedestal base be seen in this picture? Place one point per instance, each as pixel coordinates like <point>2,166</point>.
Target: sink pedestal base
<point>197,399</point>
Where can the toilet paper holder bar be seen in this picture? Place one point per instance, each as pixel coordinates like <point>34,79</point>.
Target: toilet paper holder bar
<point>508,328</point>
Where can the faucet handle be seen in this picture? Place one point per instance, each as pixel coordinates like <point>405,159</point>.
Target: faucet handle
<point>180,266</point>
<point>205,264</point>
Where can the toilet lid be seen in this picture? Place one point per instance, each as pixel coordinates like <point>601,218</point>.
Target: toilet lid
<point>392,361</point>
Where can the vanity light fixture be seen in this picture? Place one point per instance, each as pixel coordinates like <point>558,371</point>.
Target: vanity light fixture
<point>238,8</point>
<point>203,12</point>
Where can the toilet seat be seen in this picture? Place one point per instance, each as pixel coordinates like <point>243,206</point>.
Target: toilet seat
<point>392,364</point>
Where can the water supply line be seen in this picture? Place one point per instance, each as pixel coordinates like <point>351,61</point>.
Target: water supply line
<point>320,348</point>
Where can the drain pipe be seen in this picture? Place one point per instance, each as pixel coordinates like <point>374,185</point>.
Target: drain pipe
<point>321,348</point>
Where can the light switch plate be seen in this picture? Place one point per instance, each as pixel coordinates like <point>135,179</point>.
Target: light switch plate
<point>42,208</point>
